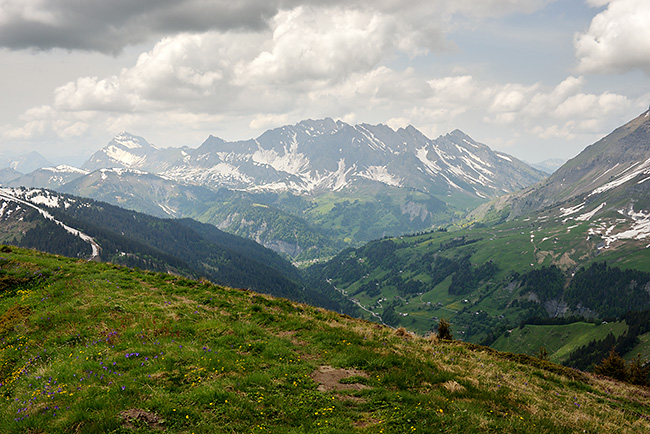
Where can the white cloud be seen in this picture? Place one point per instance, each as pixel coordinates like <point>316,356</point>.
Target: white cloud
<point>264,121</point>
<point>397,123</point>
<point>590,106</point>
<point>44,120</point>
<point>618,39</point>
<point>566,101</point>
<point>92,93</point>
<point>310,44</point>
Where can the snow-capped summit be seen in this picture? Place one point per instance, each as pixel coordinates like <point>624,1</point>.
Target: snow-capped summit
<point>64,168</point>
<point>128,151</point>
<point>129,141</point>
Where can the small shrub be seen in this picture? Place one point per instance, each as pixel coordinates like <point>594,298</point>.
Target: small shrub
<point>12,317</point>
<point>444,330</point>
<point>543,353</point>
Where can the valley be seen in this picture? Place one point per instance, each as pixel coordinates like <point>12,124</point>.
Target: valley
<point>543,265</point>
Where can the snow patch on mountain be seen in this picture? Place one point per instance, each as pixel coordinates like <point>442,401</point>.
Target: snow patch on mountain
<point>340,176</point>
<point>291,162</point>
<point>120,171</point>
<point>221,172</point>
<point>429,165</point>
<point>632,172</point>
<point>635,227</point>
<point>607,171</point>
<point>123,157</point>
<point>63,168</point>
<point>589,215</point>
<point>373,142</point>
<point>381,174</point>
<point>564,212</point>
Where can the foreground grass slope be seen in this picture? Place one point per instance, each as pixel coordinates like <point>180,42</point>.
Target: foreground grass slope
<point>92,347</point>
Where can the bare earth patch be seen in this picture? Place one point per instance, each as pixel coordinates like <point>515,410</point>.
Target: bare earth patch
<point>328,378</point>
<point>135,417</point>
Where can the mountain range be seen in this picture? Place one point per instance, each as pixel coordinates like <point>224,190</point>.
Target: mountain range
<point>320,156</point>
<point>305,190</point>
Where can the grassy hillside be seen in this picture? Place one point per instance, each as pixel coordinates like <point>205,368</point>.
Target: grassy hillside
<point>486,280</point>
<point>94,347</point>
<point>559,340</point>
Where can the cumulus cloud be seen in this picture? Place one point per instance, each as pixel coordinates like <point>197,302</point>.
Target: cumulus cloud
<point>44,120</point>
<point>305,52</point>
<point>564,112</point>
<point>263,121</point>
<point>618,39</point>
<point>310,44</point>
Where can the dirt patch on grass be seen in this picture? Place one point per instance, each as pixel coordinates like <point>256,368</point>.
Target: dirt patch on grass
<point>137,418</point>
<point>290,334</point>
<point>329,378</point>
<point>366,423</point>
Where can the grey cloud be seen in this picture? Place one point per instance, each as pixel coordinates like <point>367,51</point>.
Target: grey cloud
<point>109,26</point>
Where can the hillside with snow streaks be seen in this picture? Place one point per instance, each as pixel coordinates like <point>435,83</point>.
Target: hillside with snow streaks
<point>634,226</point>
<point>604,178</point>
<point>34,198</point>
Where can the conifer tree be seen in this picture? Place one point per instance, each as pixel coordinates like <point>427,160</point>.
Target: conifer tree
<point>639,372</point>
<point>613,366</point>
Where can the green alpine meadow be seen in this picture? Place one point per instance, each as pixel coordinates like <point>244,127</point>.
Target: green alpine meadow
<point>91,347</point>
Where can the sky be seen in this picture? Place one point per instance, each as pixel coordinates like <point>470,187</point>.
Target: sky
<point>537,79</point>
